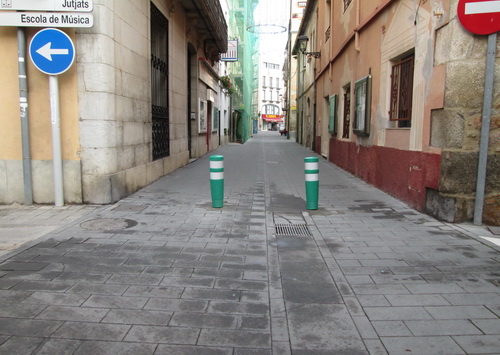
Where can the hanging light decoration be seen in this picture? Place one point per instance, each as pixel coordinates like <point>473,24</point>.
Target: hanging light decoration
<point>269,17</point>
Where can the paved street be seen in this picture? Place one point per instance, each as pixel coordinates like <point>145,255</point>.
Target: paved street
<point>162,272</point>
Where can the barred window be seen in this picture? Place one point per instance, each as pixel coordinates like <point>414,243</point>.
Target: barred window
<point>328,12</point>
<point>346,4</point>
<point>347,111</point>
<point>159,84</point>
<point>402,91</point>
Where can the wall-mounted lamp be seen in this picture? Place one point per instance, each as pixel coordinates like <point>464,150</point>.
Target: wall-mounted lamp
<point>313,54</point>
<point>303,39</point>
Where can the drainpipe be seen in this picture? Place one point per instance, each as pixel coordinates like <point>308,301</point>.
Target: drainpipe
<point>23,106</point>
<point>358,21</point>
<point>315,93</point>
<point>289,76</point>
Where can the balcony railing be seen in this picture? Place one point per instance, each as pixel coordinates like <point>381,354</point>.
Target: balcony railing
<point>210,23</point>
<point>216,21</point>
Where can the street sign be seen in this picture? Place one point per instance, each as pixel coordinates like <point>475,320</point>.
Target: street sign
<point>52,51</point>
<point>479,16</point>
<point>46,19</point>
<point>232,51</point>
<point>48,5</point>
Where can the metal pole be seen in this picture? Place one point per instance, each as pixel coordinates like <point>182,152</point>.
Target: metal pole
<point>56,140</point>
<point>289,76</point>
<point>23,106</point>
<point>485,128</point>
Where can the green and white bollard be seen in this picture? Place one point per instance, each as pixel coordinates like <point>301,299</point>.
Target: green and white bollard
<point>217,180</point>
<point>312,182</point>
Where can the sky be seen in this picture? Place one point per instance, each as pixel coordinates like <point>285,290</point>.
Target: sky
<point>273,45</point>
<point>272,16</point>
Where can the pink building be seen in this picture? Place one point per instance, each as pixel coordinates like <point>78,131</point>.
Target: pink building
<point>392,92</point>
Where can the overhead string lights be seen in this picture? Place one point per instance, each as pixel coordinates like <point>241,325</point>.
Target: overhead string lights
<point>269,17</point>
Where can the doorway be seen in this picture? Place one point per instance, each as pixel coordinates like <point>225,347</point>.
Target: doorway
<point>191,92</point>
<point>209,123</point>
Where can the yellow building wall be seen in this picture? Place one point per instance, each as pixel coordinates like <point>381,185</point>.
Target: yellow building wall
<point>39,125</point>
<point>38,101</point>
<point>10,132</point>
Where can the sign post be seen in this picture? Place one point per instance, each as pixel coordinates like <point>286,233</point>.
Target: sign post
<point>483,18</point>
<point>53,52</point>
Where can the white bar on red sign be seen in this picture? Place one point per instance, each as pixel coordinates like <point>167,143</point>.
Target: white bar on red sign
<point>482,7</point>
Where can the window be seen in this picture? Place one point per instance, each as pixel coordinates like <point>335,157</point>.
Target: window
<point>202,122</point>
<point>264,81</point>
<point>332,114</point>
<point>346,4</point>
<point>215,119</point>
<point>270,109</point>
<point>402,91</point>
<point>347,111</point>
<point>328,10</point>
<point>270,82</point>
<point>271,66</point>
<point>362,96</point>
<point>159,84</point>
<point>277,82</point>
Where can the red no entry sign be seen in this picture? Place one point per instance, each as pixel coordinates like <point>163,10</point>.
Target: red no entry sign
<point>481,17</point>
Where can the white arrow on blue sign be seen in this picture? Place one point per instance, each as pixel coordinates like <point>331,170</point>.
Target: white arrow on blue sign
<point>52,51</point>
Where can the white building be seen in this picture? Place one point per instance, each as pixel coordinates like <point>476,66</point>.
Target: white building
<point>270,95</point>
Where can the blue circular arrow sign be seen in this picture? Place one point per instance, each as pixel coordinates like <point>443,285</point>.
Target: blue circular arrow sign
<point>52,51</point>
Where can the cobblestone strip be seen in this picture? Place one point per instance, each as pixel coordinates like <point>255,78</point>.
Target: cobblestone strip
<point>279,320</point>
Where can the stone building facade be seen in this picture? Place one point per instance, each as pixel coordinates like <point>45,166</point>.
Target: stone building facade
<point>134,106</point>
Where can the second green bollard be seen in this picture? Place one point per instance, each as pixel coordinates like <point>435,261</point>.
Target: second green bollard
<point>217,180</point>
<point>312,182</point>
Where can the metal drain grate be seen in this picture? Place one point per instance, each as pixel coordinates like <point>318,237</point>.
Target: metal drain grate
<point>292,230</point>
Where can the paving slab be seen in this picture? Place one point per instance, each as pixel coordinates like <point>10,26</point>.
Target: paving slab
<point>163,272</point>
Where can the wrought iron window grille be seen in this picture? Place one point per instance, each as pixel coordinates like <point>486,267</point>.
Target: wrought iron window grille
<point>402,92</point>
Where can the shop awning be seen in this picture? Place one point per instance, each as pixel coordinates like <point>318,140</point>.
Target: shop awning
<point>272,118</point>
